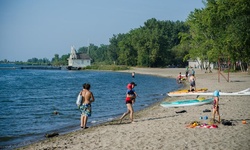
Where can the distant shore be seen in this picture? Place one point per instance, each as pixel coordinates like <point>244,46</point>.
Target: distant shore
<point>159,128</point>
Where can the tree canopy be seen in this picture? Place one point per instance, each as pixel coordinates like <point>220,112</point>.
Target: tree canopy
<point>221,29</point>
<point>148,46</point>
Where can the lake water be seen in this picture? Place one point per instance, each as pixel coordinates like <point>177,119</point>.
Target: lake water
<point>29,97</point>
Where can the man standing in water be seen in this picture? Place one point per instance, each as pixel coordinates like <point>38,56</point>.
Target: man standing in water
<point>133,74</point>
<point>85,108</point>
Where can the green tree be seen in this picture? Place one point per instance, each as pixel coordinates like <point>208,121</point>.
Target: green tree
<point>83,50</point>
<point>113,48</point>
<point>127,54</point>
<point>64,59</point>
<point>221,29</point>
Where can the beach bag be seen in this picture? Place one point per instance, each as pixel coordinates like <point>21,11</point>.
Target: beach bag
<point>79,100</point>
<point>227,123</point>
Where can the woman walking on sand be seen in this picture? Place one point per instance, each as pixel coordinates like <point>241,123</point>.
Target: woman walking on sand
<point>130,99</point>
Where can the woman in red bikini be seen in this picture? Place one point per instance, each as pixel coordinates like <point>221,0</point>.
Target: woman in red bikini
<point>130,99</point>
<point>216,105</point>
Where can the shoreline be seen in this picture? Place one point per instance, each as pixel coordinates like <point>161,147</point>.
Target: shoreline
<point>160,128</point>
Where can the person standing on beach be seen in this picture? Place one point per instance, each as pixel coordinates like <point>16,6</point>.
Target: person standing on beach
<point>130,99</point>
<point>179,77</point>
<point>85,108</point>
<point>192,83</point>
<point>193,72</point>
<point>216,105</point>
<point>187,72</point>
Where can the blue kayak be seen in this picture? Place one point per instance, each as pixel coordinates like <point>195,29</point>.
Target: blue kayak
<point>191,102</point>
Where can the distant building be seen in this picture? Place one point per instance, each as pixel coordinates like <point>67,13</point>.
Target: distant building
<point>199,64</point>
<point>78,60</point>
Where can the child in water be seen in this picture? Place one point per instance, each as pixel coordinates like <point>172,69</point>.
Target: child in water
<point>216,105</point>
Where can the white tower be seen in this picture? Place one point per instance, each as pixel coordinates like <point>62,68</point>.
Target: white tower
<point>73,53</point>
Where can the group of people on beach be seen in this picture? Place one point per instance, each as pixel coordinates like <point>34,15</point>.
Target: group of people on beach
<point>193,89</point>
<point>88,98</point>
<point>191,79</point>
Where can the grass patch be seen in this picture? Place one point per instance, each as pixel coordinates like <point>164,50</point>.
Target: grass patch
<point>107,67</point>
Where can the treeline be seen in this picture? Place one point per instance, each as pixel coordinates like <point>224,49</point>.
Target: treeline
<point>147,46</point>
<point>220,30</point>
<point>55,61</point>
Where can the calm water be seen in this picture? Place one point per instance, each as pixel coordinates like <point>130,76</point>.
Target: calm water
<point>29,97</point>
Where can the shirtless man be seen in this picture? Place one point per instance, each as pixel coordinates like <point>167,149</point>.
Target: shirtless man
<point>85,108</point>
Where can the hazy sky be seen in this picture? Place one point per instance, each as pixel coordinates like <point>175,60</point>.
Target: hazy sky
<point>43,28</point>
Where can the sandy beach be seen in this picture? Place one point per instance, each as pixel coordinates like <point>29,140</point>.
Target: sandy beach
<point>157,127</point>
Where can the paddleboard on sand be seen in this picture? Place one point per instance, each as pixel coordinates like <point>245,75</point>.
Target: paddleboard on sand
<point>186,91</point>
<point>192,102</point>
<point>245,92</point>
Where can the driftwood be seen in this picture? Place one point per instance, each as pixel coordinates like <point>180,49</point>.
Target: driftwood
<point>183,111</point>
<point>50,135</point>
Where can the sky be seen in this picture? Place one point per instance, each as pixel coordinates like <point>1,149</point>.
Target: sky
<point>42,28</point>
